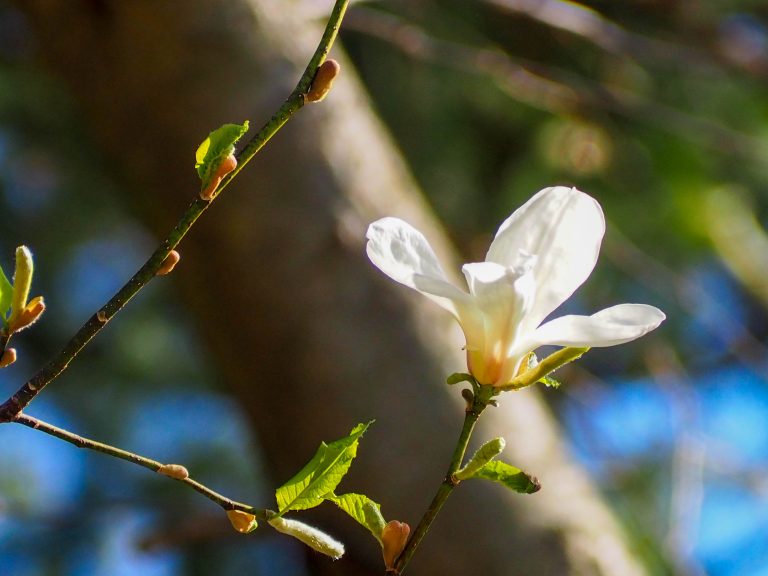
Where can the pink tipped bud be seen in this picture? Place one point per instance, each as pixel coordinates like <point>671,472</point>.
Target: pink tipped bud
<point>393,540</point>
<point>323,81</point>
<point>176,471</point>
<point>227,165</point>
<point>169,263</point>
<point>8,357</point>
<point>242,521</point>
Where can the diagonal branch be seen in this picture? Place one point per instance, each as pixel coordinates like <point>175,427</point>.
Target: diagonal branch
<point>16,403</point>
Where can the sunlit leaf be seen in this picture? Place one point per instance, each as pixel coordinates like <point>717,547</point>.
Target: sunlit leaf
<point>511,477</point>
<point>363,509</point>
<point>320,476</point>
<point>6,294</point>
<point>214,149</point>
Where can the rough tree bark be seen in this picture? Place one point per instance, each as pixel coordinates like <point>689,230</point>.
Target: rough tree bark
<point>305,332</point>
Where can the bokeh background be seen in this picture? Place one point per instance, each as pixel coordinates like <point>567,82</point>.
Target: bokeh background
<point>658,108</point>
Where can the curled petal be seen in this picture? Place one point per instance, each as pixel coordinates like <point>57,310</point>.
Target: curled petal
<point>501,297</point>
<point>403,254</point>
<point>609,327</point>
<point>564,229</point>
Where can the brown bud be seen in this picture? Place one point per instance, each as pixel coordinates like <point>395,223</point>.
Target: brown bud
<point>8,357</point>
<point>101,316</point>
<point>176,471</point>
<point>29,315</point>
<point>242,521</point>
<point>324,78</point>
<point>227,165</point>
<point>393,540</point>
<point>169,263</point>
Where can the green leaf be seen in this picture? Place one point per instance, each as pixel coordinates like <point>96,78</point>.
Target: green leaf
<point>458,377</point>
<point>320,476</point>
<point>363,509</point>
<point>219,144</point>
<point>6,294</point>
<point>511,477</point>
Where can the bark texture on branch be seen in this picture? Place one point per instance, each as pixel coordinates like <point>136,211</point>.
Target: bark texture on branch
<point>305,332</point>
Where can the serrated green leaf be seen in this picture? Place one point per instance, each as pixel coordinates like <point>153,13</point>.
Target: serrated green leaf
<point>320,476</point>
<point>458,377</point>
<point>363,509</point>
<point>6,295</point>
<point>511,477</point>
<point>214,149</point>
<point>549,381</point>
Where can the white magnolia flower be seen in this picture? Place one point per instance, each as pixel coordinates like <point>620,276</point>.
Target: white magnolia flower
<point>541,254</point>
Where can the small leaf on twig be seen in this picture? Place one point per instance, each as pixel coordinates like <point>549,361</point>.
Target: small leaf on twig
<point>511,477</point>
<point>363,509</point>
<point>215,150</point>
<point>6,295</point>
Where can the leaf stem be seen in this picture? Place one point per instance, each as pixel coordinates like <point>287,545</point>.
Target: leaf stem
<point>480,399</point>
<point>24,395</point>
<point>546,366</point>
<point>82,442</point>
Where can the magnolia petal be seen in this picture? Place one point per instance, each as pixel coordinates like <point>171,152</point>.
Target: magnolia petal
<point>563,228</point>
<point>501,296</point>
<point>403,254</point>
<point>609,327</point>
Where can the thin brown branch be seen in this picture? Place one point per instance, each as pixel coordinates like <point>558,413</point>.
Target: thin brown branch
<point>16,403</point>
<point>154,465</point>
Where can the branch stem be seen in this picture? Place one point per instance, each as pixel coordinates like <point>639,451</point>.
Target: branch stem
<point>154,465</point>
<point>480,399</point>
<point>24,395</point>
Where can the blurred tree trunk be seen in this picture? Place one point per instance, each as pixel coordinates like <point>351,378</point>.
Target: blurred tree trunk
<point>305,332</point>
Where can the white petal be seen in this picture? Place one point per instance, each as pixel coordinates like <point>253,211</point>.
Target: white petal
<point>609,327</point>
<point>496,288</point>
<point>501,296</point>
<point>403,254</point>
<point>563,228</point>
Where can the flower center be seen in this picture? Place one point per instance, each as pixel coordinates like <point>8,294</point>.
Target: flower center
<point>502,296</point>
